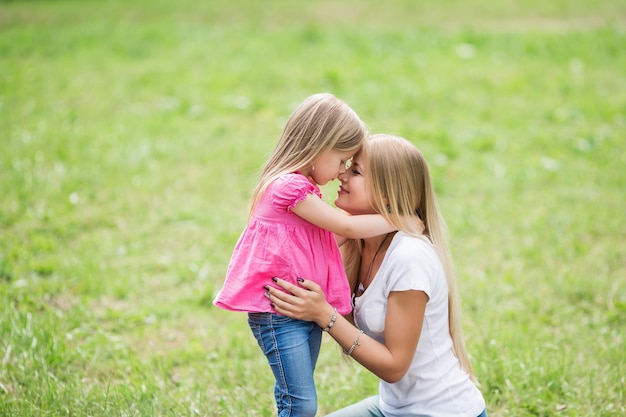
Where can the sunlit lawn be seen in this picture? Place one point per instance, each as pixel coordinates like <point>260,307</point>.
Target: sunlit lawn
<point>131,134</point>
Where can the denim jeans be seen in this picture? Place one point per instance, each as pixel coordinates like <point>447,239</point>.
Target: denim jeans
<point>368,408</point>
<point>291,348</point>
<point>364,408</point>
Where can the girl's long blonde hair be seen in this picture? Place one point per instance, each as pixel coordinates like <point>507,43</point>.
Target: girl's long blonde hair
<point>320,123</point>
<point>400,189</point>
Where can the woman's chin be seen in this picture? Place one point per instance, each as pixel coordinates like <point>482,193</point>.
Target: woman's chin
<point>340,203</point>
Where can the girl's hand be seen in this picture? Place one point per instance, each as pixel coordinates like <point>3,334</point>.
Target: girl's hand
<point>306,302</point>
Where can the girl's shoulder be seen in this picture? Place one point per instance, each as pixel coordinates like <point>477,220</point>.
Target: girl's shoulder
<point>289,189</point>
<point>291,178</point>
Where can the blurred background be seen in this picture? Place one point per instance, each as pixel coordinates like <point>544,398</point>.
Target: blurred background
<point>132,133</point>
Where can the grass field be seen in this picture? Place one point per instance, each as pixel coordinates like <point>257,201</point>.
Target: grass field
<point>131,134</point>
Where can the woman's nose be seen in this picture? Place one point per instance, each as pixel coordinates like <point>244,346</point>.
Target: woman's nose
<point>342,175</point>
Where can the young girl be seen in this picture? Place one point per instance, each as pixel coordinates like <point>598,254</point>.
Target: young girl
<point>290,235</point>
<point>406,307</point>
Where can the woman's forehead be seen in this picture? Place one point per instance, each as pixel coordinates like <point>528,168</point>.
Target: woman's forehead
<point>359,157</point>
<point>359,161</point>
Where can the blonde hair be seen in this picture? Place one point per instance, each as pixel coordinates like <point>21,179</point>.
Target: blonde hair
<point>322,122</point>
<point>400,189</point>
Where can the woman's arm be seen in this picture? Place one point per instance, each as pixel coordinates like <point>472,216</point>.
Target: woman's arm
<point>403,325</point>
<point>316,211</point>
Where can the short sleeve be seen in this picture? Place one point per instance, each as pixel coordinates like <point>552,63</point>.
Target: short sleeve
<point>290,189</point>
<point>412,270</point>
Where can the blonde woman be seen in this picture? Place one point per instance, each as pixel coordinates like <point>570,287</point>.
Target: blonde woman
<point>290,234</point>
<point>406,309</point>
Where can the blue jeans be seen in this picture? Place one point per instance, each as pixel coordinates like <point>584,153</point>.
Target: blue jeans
<point>291,347</point>
<point>368,408</point>
<point>364,408</point>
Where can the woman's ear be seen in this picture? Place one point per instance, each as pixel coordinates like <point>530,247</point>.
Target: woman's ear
<point>386,201</point>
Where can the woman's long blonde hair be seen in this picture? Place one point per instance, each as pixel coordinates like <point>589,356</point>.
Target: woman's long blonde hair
<point>400,189</point>
<point>320,123</point>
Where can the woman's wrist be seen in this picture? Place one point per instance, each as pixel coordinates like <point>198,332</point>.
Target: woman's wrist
<point>327,318</point>
<point>332,321</point>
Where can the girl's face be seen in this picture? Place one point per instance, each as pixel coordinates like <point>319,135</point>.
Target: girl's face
<point>329,165</point>
<point>353,195</point>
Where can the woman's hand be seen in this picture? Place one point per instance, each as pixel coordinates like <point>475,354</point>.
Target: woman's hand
<point>306,302</point>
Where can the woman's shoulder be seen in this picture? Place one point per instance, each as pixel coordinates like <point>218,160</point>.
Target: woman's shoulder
<point>410,248</point>
<point>404,242</point>
<point>413,263</point>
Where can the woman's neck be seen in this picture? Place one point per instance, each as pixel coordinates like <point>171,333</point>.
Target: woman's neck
<point>374,250</point>
<point>372,243</point>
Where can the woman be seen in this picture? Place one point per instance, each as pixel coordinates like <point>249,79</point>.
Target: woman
<point>406,309</point>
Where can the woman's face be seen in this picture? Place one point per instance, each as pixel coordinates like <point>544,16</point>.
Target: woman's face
<point>353,195</point>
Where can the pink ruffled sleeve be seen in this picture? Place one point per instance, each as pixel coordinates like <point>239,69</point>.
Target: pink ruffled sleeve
<point>290,189</point>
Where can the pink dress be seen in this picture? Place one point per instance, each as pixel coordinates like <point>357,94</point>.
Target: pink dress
<point>278,243</point>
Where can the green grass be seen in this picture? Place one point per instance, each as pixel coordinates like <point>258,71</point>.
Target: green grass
<point>131,134</point>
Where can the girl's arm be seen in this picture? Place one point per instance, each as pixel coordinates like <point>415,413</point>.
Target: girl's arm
<point>403,325</point>
<point>316,211</point>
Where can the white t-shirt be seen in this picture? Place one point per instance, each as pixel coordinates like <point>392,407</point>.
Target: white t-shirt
<point>435,385</point>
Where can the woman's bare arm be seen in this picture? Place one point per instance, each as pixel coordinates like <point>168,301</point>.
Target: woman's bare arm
<point>403,325</point>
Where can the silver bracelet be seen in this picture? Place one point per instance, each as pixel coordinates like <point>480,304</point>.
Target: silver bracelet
<point>333,319</point>
<point>354,344</point>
